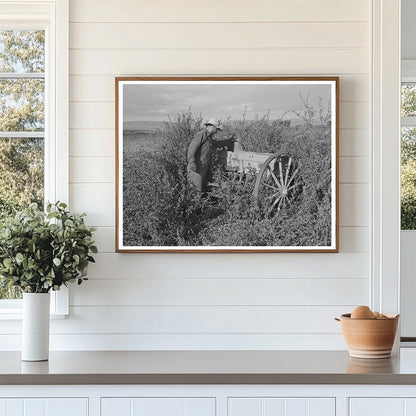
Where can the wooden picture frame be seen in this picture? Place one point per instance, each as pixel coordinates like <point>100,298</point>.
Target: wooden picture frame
<point>227,164</point>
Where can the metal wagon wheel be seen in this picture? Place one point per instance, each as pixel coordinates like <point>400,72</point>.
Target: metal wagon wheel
<point>278,184</point>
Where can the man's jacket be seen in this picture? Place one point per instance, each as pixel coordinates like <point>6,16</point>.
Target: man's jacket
<point>200,151</point>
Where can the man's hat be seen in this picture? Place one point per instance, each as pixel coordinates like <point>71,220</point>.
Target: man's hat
<point>214,122</point>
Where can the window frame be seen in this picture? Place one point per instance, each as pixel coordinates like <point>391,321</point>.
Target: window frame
<point>385,156</point>
<point>408,76</point>
<point>53,17</point>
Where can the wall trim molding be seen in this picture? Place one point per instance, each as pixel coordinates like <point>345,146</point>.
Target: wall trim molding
<point>385,99</point>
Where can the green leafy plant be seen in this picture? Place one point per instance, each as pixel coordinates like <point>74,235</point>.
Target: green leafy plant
<point>43,251</point>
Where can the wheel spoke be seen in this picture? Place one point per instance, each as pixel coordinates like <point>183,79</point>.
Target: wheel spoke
<point>270,186</point>
<point>281,172</point>
<point>289,164</point>
<point>281,202</point>
<point>294,174</point>
<point>277,201</point>
<point>275,178</point>
<point>277,183</point>
<point>272,196</point>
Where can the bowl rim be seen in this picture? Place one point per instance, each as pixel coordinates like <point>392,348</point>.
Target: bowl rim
<point>388,318</point>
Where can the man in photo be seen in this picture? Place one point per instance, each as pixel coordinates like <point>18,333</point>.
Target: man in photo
<point>200,151</point>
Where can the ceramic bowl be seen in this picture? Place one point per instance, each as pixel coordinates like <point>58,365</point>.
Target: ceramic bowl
<point>369,338</point>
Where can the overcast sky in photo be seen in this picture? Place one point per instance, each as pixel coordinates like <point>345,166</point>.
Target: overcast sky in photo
<point>156,102</point>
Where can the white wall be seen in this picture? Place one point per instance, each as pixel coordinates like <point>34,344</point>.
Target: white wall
<point>214,301</point>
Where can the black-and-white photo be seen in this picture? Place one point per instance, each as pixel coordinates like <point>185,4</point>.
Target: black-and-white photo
<point>227,164</point>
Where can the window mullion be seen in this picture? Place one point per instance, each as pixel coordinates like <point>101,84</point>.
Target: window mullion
<point>22,75</point>
<point>408,121</point>
<point>24,134</point>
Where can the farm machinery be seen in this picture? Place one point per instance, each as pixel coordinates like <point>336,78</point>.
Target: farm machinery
<point>276,177</point>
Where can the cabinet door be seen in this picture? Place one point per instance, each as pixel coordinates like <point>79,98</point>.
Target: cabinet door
<point>44,407</point>
<point>270,406</point>
<point>382,406</point>
<point>160,406</point>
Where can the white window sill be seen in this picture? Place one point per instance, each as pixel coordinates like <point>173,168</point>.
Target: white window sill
<point>11,309</point>
<point>13,315</point>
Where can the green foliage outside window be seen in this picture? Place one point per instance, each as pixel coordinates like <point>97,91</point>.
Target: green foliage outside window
<point>408,160</point>
<point>21,110</point>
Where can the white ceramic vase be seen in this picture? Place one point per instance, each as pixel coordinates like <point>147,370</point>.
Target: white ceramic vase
<point>35,326</point>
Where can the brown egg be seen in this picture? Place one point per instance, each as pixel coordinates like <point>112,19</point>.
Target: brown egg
<point>376,314</point>
<point>362,312</point>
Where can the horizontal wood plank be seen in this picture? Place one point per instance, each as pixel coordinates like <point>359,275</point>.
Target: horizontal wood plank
<point>354,239</point>
<point>221,62</point>
<point>354,170</point>
<point>92,169</point>
<point>146,342</point>
<point>92,115</point>
<point>202,319</point>
<point>354,142</point>
<point>99,88</point>
<point>220,291</point>
<point>105,239</point>
<point>221,35</point>
<point>218,11</point>
<point>94,143</point>
<point>92,88</point>
<point>96,199</point>
<point>354,205</point>
<point>354,115</point>
<point>230,265</point>
<point>354,88</point>
<point>161,320</point>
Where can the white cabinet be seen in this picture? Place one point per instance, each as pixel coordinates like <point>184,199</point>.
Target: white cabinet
<point>44,407</point>
<point>160,406</point>
<point>271,406</point>
<point>208,400</point>
<point>382,406</point>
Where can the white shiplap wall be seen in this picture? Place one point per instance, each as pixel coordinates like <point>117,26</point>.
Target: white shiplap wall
<point>218,301</point>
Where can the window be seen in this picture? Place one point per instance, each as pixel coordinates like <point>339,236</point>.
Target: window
<point>408,155</point>
<point>33,112</point>
<point>22,124</point>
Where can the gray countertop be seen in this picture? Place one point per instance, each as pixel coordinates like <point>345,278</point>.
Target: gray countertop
<point>208,367</point>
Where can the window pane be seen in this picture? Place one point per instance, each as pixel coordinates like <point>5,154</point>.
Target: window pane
<point>21,109</point>
<point>408,178</point>
<point>22,104</point>
<point>408,105</point>
<point>21,173</point>
<point>22,51</point>
<point>21,182</point>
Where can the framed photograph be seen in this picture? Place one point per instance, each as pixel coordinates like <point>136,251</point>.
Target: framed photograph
<point>227,164</point>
